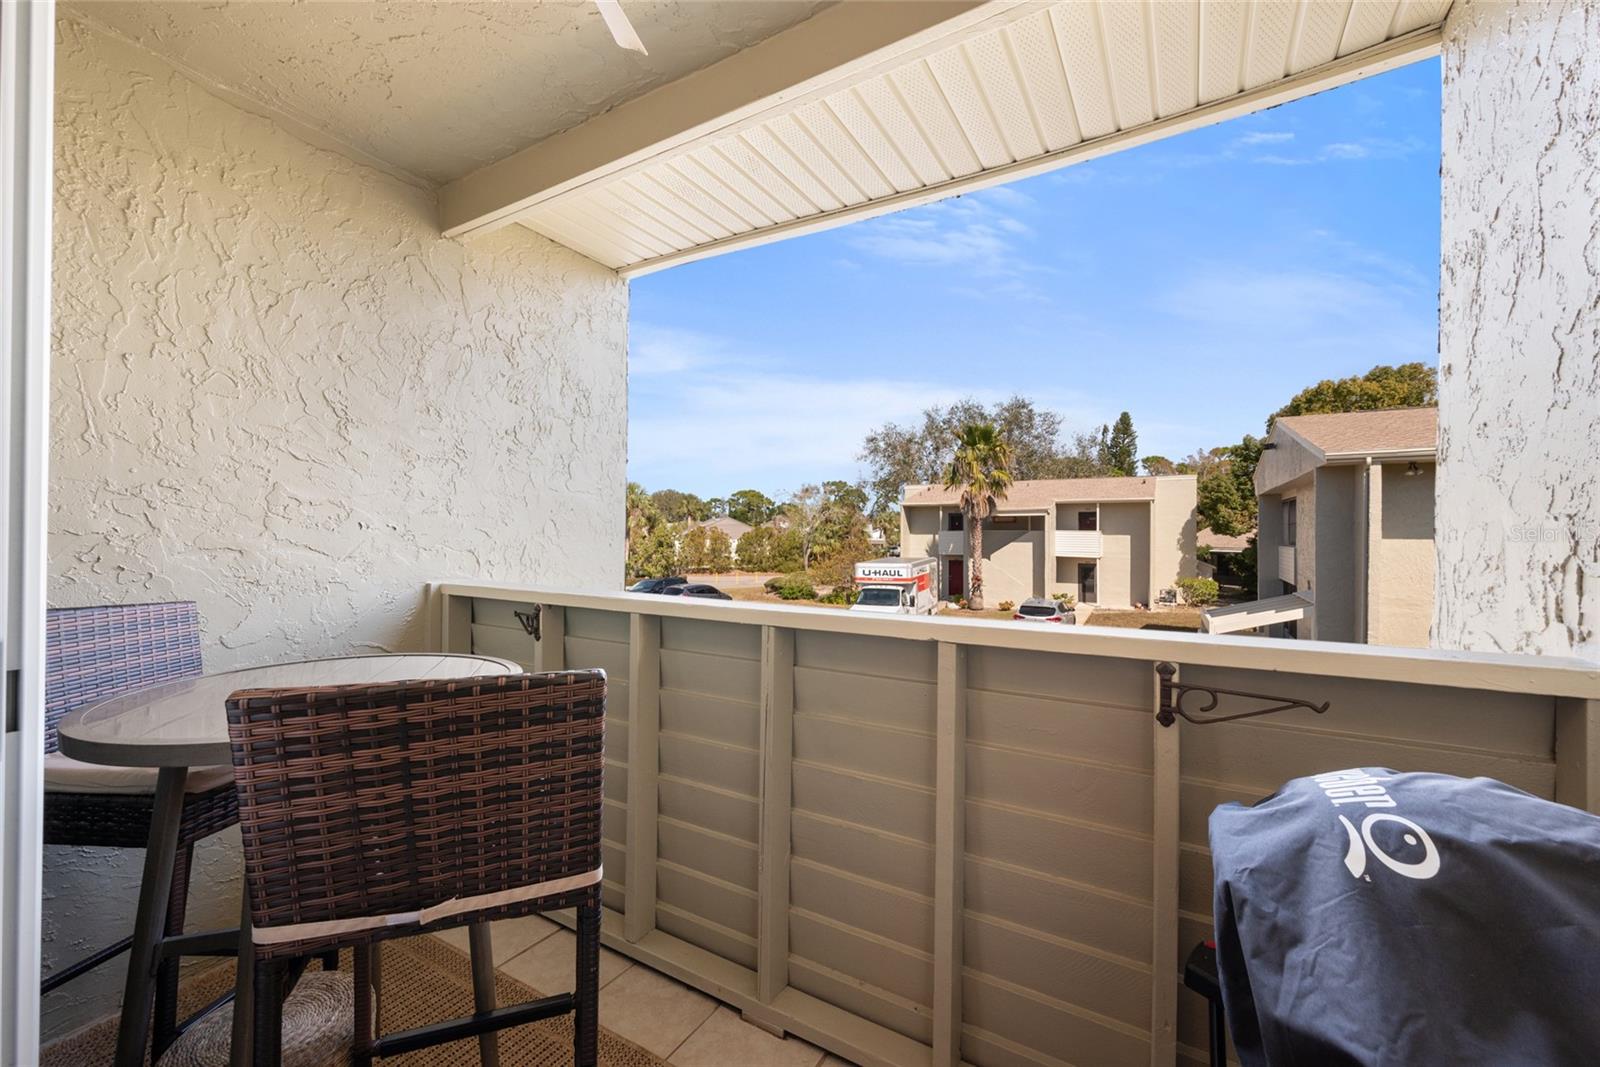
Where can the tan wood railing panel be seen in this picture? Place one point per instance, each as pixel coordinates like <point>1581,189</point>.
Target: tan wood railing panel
<point>913,841</point>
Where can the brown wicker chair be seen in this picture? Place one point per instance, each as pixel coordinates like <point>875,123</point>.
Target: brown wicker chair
<point>92,654</point>
<point>371,812</point>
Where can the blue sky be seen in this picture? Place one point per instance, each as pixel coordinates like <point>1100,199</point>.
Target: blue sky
<point>1197,282</point>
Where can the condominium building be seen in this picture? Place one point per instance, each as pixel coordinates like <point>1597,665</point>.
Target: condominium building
<point>1116,542</point>
<point>1345,550</point>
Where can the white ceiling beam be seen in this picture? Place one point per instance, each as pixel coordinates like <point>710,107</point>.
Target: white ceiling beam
<point>840,42</point>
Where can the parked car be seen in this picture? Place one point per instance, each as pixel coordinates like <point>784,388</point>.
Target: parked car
<point>1039,609</point>
<point>655,585</point>
<point>702,592</point>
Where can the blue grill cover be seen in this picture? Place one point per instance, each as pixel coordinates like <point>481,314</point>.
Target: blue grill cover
<point>1365,916</point>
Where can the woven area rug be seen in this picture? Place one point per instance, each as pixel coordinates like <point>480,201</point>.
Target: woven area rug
<point>424,980</point>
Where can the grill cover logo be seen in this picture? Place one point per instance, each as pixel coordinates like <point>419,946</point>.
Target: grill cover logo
<point>1408,851</point>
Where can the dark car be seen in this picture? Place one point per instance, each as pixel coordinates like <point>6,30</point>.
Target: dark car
<point>702,592</point>
<point>655,585</point>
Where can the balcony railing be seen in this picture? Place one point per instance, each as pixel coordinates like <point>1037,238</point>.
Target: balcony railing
<point>951,542</point>
<point>1081,544</point>
<point>917,840</point>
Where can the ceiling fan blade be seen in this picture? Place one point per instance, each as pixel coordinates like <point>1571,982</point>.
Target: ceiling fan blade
<point>621,29</point>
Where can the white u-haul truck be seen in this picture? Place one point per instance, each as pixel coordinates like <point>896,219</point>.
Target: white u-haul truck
<point>896,587</point>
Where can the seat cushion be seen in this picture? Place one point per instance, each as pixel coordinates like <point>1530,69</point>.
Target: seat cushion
<point>65,775</point>
<point>319,1026</point>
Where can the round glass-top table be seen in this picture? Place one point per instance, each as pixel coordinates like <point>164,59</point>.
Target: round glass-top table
<point>184,724</point>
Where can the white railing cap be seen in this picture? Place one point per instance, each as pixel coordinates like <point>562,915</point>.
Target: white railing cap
<point>1548,675</point>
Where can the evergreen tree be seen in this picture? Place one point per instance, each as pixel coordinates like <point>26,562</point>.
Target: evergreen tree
<point>1120,450</point>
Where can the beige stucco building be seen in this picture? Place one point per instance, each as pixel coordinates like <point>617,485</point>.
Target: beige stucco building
<point>1116,542</point>
<point>1346,509</point>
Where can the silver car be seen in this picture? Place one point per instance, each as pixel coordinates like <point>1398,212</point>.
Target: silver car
<point>1039,609</point>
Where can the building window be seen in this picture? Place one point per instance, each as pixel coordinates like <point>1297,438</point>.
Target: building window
<point>954,521</point>
<point>1088,520</point>
<point>1288,522</point>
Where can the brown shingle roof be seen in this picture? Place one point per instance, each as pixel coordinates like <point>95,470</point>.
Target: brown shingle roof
<point>1222,542</point>
<point>1045,493</point>
<point>1360,433</point>
<point>732,527</point>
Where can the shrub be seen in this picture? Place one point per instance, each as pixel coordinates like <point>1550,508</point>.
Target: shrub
<point>1197,592</point>
<point>795,587</point>
<point>842,594</point>
<point>1008,605</point>
<point>1066,598</point>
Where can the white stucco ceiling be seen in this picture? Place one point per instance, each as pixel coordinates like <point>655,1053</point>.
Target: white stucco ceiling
<point>438,89</point>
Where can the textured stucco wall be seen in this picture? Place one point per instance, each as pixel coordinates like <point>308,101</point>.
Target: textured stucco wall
<point>279,393</point>
<point>1331,557</point>
<point>1173,522</point>
<point>1519,329</point>
<point>1124,563</point>
<point>1013,561</point>
<point>1403,558</point>
<point>1269,536</point>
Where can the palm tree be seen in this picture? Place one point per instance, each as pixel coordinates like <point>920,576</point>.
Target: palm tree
<point>981,470</point>
<point>638,512</point>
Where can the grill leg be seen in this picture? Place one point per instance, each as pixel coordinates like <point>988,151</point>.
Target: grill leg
<point>482,948</point>
<point>586,1008</point>
<point>1219,1035</point>
<point>165,1024</point>
<point>160,852</point>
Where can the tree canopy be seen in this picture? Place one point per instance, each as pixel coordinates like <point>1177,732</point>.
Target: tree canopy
<point>898,455</point>
<point>751,507</point>
<point>1409,385</point>
<point>676,506</point>
<point>1227,491</point>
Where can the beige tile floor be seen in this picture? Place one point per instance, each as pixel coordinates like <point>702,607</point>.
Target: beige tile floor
<point>681,1025</point>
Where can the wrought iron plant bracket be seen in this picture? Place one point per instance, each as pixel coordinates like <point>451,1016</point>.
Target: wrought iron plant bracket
<point>530,621</point>
<point>1173,693</point>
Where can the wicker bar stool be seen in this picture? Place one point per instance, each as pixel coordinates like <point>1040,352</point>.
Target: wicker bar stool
<point>371,812</point>
<point>92,654</point>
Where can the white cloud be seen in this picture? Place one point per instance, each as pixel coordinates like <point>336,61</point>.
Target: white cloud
<point>927,242</point>
<point>1006,196</point>
<point>658,350</point>
<point>1238,311</point>
<point>980,233</point>
<point>1338,151</point>
<point>1266,137</point>
<point>1346,150</point>
<point>737,420</point>
<point>967,231</point>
